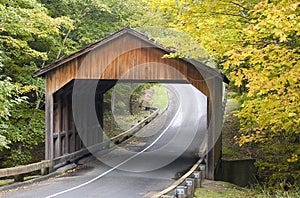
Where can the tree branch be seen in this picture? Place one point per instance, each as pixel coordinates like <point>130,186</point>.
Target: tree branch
<point>239,5</point>
<point>64,41</point>
<point>230,14</point>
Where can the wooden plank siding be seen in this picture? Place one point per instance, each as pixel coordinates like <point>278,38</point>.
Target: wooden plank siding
<point>127,58</point>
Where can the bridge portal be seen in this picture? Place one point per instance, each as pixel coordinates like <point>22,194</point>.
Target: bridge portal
<point>124,55</point>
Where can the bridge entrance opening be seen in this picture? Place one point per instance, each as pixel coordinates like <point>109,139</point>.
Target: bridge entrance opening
<point>102,114</point>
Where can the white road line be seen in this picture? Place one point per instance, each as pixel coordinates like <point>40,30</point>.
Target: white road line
<point>117,166</point>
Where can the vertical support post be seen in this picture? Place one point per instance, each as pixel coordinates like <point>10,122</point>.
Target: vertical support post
<point>73,138</point>
<point>48,130</point>
<point>57,148</point>
<point>66,123</point>
<point>100,118</point>
<point>202,172</point>
<point>49,126</point>
<point>44,171</point>
<point>210,140</point>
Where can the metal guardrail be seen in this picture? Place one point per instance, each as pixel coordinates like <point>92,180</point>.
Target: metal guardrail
<point>44,165</point>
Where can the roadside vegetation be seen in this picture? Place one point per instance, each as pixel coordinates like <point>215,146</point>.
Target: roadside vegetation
<point>218,189</point>
<point>159,97</point>
<point>230,147</point>
<point>232,151</point>
<point>127,104</point>
<point>222,189</point>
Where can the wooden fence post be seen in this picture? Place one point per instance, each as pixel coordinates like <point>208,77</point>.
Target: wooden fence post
<point>180,192</point>
<point>197,177</point>
<point>189,182</point>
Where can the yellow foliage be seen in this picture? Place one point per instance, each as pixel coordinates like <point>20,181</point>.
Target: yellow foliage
<point>257,44</point>
<point>23,89</point>
<point>293,159</point>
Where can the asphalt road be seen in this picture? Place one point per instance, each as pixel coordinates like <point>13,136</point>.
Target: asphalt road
<point>158,154</point>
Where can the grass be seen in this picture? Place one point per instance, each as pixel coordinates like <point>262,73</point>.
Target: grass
<point>4,182</point>
<point>211,189</point>
<point>232,193</point>
<point>160,97</point>
<point>218,189</point>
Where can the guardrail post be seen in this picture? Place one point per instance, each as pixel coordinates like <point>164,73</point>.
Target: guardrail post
<point>19,178</point>
<point>197,178</point>
<point>106,144</point>
<point>202,170</point>
<point>46,167</point>
<point>51,169</point>
<point>189,182</point>
<point>180,192</point>
<point>45,171</point>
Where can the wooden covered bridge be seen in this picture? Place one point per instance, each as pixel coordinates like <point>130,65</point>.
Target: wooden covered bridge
<point>127,55</point>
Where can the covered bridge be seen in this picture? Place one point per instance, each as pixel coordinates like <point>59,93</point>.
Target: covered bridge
<point>128,55</point>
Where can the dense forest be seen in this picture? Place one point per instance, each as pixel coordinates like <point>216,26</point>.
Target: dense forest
<point>255,43</point>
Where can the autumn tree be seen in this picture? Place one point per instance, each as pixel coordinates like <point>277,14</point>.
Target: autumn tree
<point>267,65</point>
<point>257,44</point>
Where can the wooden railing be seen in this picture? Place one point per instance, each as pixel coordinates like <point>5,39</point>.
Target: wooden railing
<point>121,137</point>
<point>20,170</point>
<point>185,186</point>
<point>46,165</point>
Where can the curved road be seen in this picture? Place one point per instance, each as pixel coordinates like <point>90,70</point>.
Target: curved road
<point>159,153</point>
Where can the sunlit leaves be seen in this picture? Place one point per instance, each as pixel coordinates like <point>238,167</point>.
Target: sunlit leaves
<point>28,36</point>
<point>216,25</point>
<point>257,44</point>
<point>268,66</point>
<point>294,158</point>
<point>278,21</point>
<point>180,44</point>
